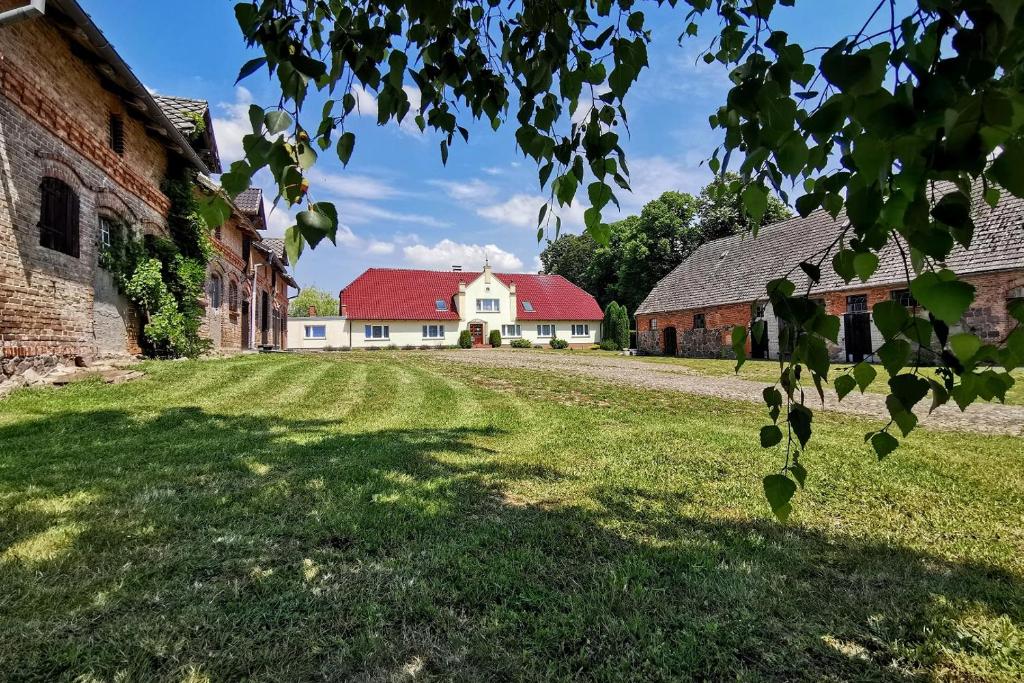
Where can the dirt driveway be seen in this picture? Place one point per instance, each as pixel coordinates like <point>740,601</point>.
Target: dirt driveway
<point>989,418</point>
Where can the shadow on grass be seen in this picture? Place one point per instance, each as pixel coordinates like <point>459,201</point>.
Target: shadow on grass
<point>233,547</point>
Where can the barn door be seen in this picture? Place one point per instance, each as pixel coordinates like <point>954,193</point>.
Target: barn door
<point>857,328</point>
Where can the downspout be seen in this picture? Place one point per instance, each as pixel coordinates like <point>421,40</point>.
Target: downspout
<point>252,309</point>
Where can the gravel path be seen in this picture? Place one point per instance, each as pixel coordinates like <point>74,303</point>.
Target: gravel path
<point>990,418</point>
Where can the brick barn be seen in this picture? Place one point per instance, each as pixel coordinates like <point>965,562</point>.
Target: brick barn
<point>692,311</point>
<point>84,151</point>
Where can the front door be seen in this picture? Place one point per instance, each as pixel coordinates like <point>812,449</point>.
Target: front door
<point>477,331</point>
<point>857,328</point>
<point>759,346</point>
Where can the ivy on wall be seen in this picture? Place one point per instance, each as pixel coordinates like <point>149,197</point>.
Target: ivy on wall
<point>164,276</point>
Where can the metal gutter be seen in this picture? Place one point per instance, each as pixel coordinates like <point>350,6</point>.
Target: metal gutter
<point>30,11</point>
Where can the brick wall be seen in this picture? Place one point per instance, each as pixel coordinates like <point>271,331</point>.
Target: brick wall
<point>54,122</point>
<point>223,325</point>
<point>987,318</point>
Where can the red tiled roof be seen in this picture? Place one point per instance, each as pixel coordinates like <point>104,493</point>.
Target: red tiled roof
<point>399,294</point>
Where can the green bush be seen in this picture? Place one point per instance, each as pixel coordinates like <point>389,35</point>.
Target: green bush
<point>521,344</point>
<point>611,312</point>
<point>609,345</point>
<point>558,343</point>
<point>621,328</point>
<point>465,339</point>
<point>495,338</point>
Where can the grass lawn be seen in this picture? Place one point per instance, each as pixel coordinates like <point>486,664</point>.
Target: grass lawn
<point>768,371</point>
<point>387,516</point>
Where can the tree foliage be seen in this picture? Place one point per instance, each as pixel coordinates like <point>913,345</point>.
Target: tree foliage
<point>890,130</point>
<point>721,213</point>
<point>324,302</point>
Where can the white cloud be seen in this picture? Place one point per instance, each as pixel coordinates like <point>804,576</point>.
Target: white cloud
<point>377,247</point>
<point>366,105</point>
<point>447,253</point>
<point>492,170</point>
<point>521,210</point>
<point>652,176</point>
<point>474,190</point>
<point>361,213</point>
<point>351,185</point>
<point>232,126</point>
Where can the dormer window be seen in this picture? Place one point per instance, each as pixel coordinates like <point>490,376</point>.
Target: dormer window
<point>528,307</point>
<point>441,305</point>
<point>117,134</point>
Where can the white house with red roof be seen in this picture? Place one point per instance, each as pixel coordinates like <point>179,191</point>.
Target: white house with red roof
<point>399,307</point>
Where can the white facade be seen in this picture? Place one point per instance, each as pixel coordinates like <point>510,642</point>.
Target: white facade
<point>483,305</point>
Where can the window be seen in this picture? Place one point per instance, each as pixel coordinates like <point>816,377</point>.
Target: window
<point>214,291</point>
<point>316,331</point>
<point>581,330</point>
<point>117,133</point>
<point>233,296</point>
<point>58,217</point>
<point>903,297</point>
<point>487,306</point>
<point>698,321</point>
<point>377,332</point>
<point>528,306</point>
<point>858,303</point>
<point>545,330</point>
<point>433,331</point>
<point>511,331</point>
<point>441,305</point>
<point>760,308</point>
<point>654,323</point>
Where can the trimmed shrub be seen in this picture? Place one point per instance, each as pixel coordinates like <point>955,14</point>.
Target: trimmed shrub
<point>495,338</point>
<point>558,343</point>
<point>611,312</point>
<point>521,344</point>
<point>609,345</point>
<point>465,339</point>
<point>621,328</point>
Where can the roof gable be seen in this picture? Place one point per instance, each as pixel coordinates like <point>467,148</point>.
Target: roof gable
<point>401,294</point>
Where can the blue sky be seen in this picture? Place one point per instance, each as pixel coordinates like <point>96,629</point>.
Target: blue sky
<point>399,205</point>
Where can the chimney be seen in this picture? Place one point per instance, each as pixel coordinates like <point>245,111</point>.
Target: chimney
<point>456,269</point>
<point>460,298</point>
<point>312,311</point>
<point>487,271</point>
<point>512,300</point>
<point>343,310</point>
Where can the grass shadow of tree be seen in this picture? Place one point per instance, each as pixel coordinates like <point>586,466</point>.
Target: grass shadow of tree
<point>248,546</point>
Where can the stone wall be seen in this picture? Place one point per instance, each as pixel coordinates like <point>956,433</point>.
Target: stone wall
<point>987,318</point>
<point>54,116</point>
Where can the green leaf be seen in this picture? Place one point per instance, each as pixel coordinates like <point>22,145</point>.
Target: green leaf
<point>800,420</point>
<point>884,444</point>
<point>250,68</point>
<point>277,121</point>
<point>1008,168</point>
<point>864,374</point>
<point>903,418</point>
<point>314,226</point>
<point>964,346</point>
<point>1015,307</point>
<point>346,143</point>
<point>890,318</point>
<point>214,209</point>
<point>739,345</point>
<point>779,490</point>
<point>864,264</point>
<point>293,244</point>
<point>842,263</point>
<point>946,297</point>
<point>755,201</point>
<point>894,355</point>
<point>909,389</point>
<point>770,436</point>
<point>844,384</point>
<point>799,473</point>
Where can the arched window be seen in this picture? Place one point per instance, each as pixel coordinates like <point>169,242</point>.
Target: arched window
<point>214,294</point>
<point>233,296</point>
<point>58,217</point>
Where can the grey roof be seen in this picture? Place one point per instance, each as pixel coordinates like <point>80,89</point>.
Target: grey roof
<point>736,269</point>
<point>276,247</point>
<point>250,201</point>
<point>182,112</point>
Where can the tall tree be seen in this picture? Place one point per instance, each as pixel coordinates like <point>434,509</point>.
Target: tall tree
<point>570,256</point>
<point>867,129</point>
<point>324,302</point>
<point>721,213</point>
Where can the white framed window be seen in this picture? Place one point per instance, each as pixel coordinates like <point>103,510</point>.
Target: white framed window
<point>581,330</point>
<point>316,331</point>
<point>377,332</point>
<point>654,323</point>
<point>488,305</point>
<point>511,331</point>
<point>433,331</point>
<point>545,330</point>
<point>106,231</point>
<point>528,307</point>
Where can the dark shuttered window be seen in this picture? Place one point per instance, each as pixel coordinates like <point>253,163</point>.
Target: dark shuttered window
<point>58,219</point>
<point>117,134</point>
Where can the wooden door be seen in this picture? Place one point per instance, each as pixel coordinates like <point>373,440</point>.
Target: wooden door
<point>477,331</point>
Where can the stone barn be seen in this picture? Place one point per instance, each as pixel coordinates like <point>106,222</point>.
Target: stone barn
<point>692,311</point>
